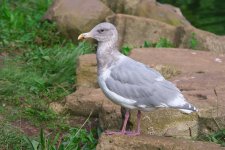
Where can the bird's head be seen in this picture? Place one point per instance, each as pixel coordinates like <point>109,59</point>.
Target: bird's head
<point>102,32</point>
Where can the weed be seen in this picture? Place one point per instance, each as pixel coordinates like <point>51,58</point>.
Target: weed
<point>193,42</point>
<point>126,49</point>
<point>147,44</point>
<point>11,137</point>
<point>76,138</point>
<point>217,137</point>
<point>164,42</point>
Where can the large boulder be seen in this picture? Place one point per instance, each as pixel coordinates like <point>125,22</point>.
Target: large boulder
<point>137,21</point>
<point>149,9</point>
<point>146,142</point>
<point>75,16</point>
<point>134,31</point>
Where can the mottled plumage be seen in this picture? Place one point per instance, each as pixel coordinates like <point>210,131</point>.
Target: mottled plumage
<point>129,83</point>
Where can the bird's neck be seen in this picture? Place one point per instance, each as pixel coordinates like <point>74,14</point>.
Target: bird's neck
<point>106,54</point>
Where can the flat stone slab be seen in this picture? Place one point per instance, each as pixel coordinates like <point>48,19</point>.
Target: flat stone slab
<point>147,142</point>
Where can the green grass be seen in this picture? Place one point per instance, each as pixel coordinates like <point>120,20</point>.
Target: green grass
<point>38,68</point>
<point>11,137</point>
<point>74,139</point>
<point>193,42</point>
<point>216,137</point>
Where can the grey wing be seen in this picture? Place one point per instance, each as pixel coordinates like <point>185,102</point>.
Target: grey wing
<point>134,80</point>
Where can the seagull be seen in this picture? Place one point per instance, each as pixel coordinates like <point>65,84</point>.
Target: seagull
<point>129,83</point>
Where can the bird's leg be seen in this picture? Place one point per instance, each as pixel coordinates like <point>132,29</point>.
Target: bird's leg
<point>123,131</point>
<point>138,131</point>
<point>139,122</point>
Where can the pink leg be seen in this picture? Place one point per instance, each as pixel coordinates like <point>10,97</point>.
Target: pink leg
<point>123,131</point>
<point>138,131</point>
<point>139,122</point>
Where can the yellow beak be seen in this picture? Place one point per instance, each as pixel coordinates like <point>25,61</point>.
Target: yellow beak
<point>81,37</point>
<point>84,36</point>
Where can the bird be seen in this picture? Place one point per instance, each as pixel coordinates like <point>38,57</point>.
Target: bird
<point>129,83</point>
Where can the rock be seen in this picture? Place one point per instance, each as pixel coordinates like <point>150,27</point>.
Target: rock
<point>84,101</point>
<point>137,21</point>
<point>205,40</point>
<point>110,117</point>
<point>134,31</point>
<point>87,71</point>
<point>57,107</point>
<point>167,122</point>
<point>148,9</point>
<point>146,142</point>
<point>73,17</point>
<point>87,100</point>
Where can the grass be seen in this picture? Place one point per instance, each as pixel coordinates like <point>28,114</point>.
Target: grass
<point>38,68</point>
<point>216,137</point>
<point>11,137</point>
<point>192,42</point>
<point>76,138</point>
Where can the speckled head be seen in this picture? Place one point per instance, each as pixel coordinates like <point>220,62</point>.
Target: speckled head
<point>102,32</point>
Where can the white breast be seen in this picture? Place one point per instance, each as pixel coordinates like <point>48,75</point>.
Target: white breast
<point>125,102</point>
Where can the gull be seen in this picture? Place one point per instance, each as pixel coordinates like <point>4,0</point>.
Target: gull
<point>129,83</point>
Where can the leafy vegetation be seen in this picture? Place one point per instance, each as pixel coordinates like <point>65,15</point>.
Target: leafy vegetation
<point>192,42</point>
<point>204,14</point>
<point>10,137</point>
<point>76,138</point>
<point>38,68</point>
<point>126,49</point>
<point>217,137</point>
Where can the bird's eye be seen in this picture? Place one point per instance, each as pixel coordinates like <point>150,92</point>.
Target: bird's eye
<point>101,30</point>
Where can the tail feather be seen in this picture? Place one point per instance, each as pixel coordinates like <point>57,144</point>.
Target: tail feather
<point>188,108</point>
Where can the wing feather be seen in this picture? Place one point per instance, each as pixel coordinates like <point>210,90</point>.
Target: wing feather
<point>134,80</point>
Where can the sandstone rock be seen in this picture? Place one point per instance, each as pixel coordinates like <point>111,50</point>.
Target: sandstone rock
<point>73,17</point>
<point>87,100</point>
<point>135,31</point>
<point>84,101</point>
<point>146,142</point>
<point>110,117</point>
<point>87,71</point>
<point>205,40</point>
<point>148,9</point>
<point>167,122</point>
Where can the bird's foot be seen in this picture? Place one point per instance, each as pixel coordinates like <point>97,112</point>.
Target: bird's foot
<point>129,133</point>
<point>132,133</point>
<point>114,132</point>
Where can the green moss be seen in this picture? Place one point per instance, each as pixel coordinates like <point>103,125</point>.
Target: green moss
<point>168,71</point>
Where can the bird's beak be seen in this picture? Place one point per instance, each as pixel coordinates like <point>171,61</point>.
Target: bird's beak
<point>84,36</point>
